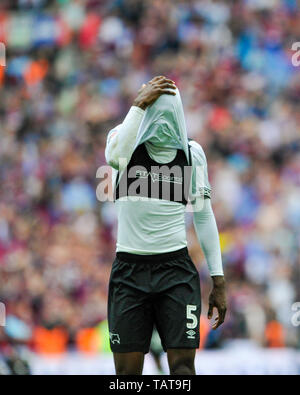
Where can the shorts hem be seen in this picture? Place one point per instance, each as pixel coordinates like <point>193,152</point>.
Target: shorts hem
<point>195,347</point>
<point>130,349</point>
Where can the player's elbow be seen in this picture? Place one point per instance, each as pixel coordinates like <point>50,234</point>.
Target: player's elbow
<point>111,162</point>
<point>111,158</point>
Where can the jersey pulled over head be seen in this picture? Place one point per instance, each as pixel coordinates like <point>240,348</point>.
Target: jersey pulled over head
<point>164,125</point>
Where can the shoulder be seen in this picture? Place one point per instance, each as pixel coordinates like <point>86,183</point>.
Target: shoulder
<point>197,152</point>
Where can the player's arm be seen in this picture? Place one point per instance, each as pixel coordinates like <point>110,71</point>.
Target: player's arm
<point>121,140</point>
<point>207,231</point>
<point>208,236</point>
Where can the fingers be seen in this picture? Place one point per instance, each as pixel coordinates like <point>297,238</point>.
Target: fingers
<point>157,78</point>
<point>166,92</point>
<point>221,317</point>
<point>161,78</point>
<point>210,311</point>
<point>167,81</point>
<point>167,85</point>
<point>166,88</point>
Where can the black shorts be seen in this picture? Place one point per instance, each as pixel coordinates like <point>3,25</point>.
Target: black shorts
<point>161,290</point>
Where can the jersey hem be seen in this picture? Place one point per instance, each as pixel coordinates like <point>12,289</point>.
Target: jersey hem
<point>147,252</point>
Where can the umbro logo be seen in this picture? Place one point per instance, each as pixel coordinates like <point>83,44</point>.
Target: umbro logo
<point>114,338</point>
<point>191,334</point>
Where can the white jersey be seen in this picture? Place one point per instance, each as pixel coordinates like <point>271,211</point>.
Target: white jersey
<point>153,226</point>
<point>150,226</point>
<point>157,225</point>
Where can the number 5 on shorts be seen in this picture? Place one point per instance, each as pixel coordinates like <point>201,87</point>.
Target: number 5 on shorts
<point>190,316</point>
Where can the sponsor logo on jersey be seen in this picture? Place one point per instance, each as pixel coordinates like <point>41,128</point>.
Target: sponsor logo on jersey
<point>158,177</point>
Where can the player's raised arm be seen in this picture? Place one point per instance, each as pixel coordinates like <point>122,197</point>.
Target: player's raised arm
<point>121,140</point>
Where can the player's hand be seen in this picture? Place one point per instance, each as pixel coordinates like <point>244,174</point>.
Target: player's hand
<point>217,299</point>
<point>150,92</point>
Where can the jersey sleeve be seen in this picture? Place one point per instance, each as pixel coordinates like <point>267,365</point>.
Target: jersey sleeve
<point>200,186</point>
<point>111,134</point>
<point>121,140</point>
<point>110,151</point>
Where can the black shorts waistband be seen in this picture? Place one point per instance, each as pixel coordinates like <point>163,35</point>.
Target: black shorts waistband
<point>164,257</point>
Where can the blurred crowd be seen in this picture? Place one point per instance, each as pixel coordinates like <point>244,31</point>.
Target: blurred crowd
<point>72,71</point>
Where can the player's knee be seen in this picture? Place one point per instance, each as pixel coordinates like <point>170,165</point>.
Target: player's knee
<point>125,370</point>
<point>182,366</point>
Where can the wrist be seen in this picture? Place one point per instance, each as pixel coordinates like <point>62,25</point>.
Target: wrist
<point>140,103</point>
<point>218,281</point>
